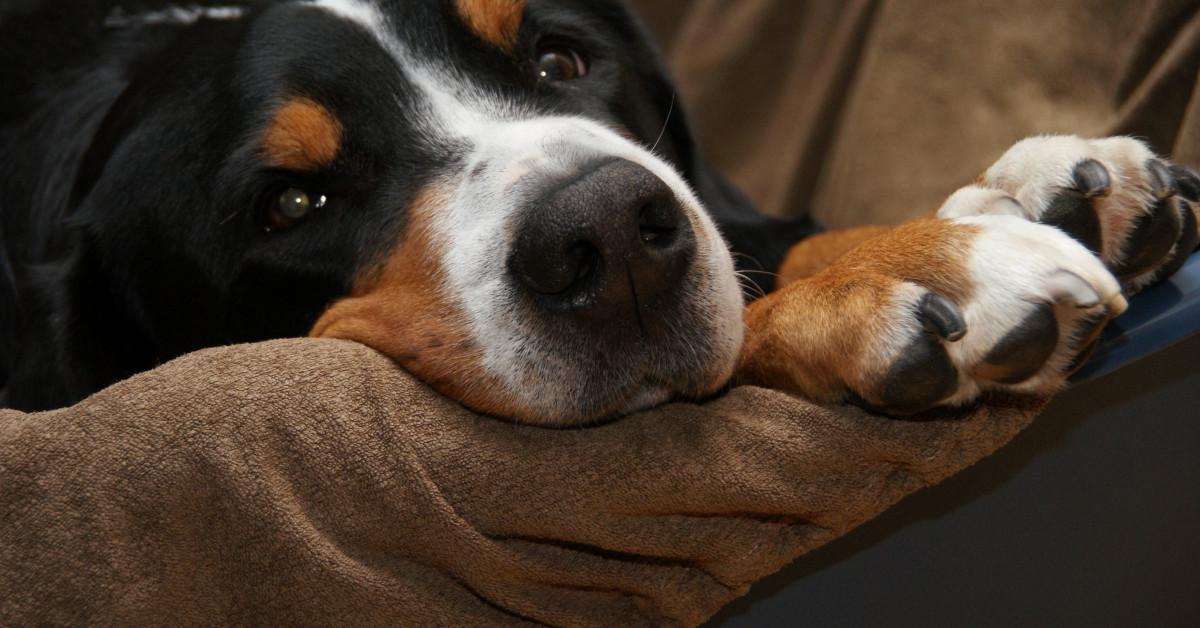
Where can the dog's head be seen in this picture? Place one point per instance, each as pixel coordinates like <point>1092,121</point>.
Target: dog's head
<point>494,193</point>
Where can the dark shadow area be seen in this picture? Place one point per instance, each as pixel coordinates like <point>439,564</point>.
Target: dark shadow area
<point>1089,516</point>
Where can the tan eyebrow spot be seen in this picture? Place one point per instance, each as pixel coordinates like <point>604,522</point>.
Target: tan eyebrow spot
<point>495,21</point>
<point>302,135</point>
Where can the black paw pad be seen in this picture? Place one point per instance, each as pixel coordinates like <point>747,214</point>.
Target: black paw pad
<point>1022,352</point>
<point>923,376</point>
<point>1091,178</point>
<point>1188,182</point>
<point>1072,212</point>
<point>1162,182</point>
<point>1151,240</point>
<point>939,316</point>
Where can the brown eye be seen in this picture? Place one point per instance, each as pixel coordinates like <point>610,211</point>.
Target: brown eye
<point>292,206</point>
<point>560,64</point>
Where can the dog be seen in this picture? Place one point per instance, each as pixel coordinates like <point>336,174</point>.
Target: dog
<point>504,197</point>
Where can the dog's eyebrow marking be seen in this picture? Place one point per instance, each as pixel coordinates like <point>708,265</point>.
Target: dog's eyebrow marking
<point>302,135</point>
<point>495,21</point>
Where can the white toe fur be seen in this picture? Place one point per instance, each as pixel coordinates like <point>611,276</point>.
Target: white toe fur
<point>1015,265</point>
<point>1037,169</point>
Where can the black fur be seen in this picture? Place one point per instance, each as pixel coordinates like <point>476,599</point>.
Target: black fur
<point>131,190</point>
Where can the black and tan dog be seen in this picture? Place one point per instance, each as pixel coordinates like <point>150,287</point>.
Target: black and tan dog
<point>503,196</point>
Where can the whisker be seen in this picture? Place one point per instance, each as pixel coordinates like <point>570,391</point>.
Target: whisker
<point>749,285</point>
<point>748,258</point>
<point>759,272</point>
<point>666,121</point>
<point>228,218</point>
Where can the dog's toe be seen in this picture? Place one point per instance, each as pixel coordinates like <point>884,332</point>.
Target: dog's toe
<point>922,377</point>
<point>1024,350</point>
<point>1151,239</point>
<point>1072,212</point>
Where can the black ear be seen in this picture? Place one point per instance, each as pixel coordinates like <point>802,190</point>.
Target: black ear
<point>658,116</point>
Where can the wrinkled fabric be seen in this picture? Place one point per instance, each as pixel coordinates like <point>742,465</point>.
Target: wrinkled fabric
<point>313,482</point>
<point>874,111</point>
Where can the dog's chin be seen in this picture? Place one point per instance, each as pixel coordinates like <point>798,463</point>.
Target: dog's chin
<point>596,390</point>
<point>599,404</point>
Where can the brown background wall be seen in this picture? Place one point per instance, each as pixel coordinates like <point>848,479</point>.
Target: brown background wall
<point>875,110</point>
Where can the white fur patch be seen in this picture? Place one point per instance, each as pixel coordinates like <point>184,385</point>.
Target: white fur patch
<point>1014,266</point>
<point>519,149</point>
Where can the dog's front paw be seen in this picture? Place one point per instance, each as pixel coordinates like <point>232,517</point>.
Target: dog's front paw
<point>1026,310</point>
<point>934,313</point>
<point>1134,210</point>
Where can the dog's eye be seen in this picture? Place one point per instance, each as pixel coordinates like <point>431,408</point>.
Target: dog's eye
<point>560,64</point>
<point>291,206</point>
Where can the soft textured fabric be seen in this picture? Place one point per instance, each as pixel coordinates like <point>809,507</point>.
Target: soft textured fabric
<point>873,111</point>
<point>314,482</point>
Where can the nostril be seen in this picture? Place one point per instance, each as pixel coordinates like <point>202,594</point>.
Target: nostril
<point>658,223</point>
<point>550,275</point>
<point>585,258</point>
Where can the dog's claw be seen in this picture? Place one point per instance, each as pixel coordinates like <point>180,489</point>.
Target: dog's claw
<point>1092,178</point>
<point>941,317</point>
<point>1064,284</point>
<point>1162,182</point>
<point>1188,182</point>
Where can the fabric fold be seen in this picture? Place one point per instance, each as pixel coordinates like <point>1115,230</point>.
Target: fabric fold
<point>314,482</point>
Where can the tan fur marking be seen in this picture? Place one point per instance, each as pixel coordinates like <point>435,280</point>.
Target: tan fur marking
<point>399,308</point>
<point>815,336</point>
<point>495,21</point>
<point>302,136</point>
<point>814,254</point>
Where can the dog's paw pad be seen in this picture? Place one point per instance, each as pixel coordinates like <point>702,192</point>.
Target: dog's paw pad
<point>1152,237</point>
<point>923,375</point>
<point>1071,211</point>
<point>1024,350</point>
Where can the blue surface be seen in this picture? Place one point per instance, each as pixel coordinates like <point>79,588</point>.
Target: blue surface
<point>1157,318</point>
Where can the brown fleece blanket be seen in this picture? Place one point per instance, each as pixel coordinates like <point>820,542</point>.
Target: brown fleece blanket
<point>314,482</point>
<point>872,111</point>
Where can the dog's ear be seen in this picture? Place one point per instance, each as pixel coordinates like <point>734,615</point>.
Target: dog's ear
<point>659,117</point>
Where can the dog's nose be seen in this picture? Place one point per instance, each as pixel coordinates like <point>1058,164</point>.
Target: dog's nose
<point>609,240</point>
